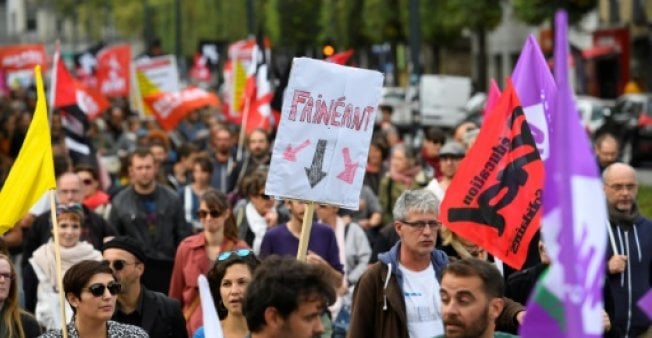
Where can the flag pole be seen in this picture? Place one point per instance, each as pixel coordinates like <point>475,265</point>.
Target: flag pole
<point>253,69</point>
<point>305,231</point>
<point>612,239</point>
<point>57,256</point>
<point>53,79</point>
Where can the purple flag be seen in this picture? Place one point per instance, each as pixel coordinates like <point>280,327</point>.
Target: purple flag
<point>567,301</point>
<point>536,91</point>
<point>645,303</point>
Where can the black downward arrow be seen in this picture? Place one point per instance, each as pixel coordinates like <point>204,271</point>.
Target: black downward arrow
<point>314,173</point>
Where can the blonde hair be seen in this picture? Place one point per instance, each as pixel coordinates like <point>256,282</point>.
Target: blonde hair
<point>11,311</point>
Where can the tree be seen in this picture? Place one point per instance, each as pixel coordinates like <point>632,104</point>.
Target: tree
<point>535,12</point>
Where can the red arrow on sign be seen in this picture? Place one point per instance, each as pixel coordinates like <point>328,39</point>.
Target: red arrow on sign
<point>291,154</point>
<point>349,168</point>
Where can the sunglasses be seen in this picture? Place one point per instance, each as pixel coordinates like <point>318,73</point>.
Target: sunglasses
<point>87,181</point>
<point>203,213</point>
<point>240,252</point>
<point>98,289</point>
<point>117,264</point>
<point>7,276</point>
<point>265,197</point>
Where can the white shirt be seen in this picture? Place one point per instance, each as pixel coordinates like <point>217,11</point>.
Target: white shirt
<point>421,294</point>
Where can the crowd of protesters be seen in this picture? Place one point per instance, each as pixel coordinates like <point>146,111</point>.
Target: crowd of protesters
<point>160,208</point>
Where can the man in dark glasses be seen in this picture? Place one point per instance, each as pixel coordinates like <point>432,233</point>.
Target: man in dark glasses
<point>286,299</point>
<point>152,214</point>
<point>153,311</point>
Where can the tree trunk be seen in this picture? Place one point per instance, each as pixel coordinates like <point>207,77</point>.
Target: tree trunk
<point>481,84</point>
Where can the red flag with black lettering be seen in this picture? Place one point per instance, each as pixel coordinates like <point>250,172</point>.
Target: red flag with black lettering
<point>495,198</point>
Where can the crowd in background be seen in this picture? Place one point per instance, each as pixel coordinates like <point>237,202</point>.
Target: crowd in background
<point>188,203</point>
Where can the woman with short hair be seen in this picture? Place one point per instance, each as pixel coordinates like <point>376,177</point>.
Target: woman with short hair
<point>92,290</point>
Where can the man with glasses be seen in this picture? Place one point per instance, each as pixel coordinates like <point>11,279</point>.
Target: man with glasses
<point>630,234</point>
<point>398,296</point>
<point>94,231</point>
<point>156,313</point>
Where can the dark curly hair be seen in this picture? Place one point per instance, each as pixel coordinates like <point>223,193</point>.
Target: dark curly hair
<point>216,274</point>
<point>283,283</point>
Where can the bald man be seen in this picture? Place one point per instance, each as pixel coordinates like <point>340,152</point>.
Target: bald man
<point>606,150</point>
<point>629,267</point>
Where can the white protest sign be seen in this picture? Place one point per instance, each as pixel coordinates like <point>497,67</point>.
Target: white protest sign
<point>161,71</point>
<point>321,146</point>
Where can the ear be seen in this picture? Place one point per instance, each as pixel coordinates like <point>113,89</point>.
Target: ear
<point>496,306</point>
<point>72,299</point>
<point>398,227</point>
<point>273,318</point>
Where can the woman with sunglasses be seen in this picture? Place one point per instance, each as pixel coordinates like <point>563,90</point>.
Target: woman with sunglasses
<point>202,171</point>
<point>70,218</point>
<point>92,291</point>
<point>196,254</point>
<point>94,198</point>
<point>14,322</point>
<point>228,281</point>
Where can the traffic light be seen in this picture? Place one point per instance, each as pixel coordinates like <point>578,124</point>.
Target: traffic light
<point>328,50</point>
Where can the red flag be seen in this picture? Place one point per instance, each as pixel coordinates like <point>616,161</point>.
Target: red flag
<point>170,108</point>
<point>72,92</point>
<point>495,198</point>
<point>341,58</point>
<point>199,70</point>
<point>258,96</point>
<point>22,57</point>
<point>113,70</point>
<point>492,98</point>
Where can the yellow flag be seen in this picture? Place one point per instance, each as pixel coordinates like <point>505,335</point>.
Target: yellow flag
<point>32,174</point>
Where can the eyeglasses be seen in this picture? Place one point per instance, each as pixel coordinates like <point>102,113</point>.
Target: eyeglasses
<point>214,213</point>
<point>118,264</point>
<point>420,225</point>
<point>87,181</point>
<point>240,252</point>
<point>97,290</point>
<point>620,187</point>
<point>7,276</point>
<point>264,196</point>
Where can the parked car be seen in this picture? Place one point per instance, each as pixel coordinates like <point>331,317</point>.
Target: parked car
<point>593,112</point>
<point>631,122</point>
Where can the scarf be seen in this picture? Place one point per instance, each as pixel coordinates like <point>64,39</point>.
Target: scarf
<point>405,177</point>
<point>623,218</point>
<point>43,258</point>
<point>258,226</point>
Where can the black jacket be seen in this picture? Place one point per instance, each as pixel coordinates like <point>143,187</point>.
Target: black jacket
<point>129,219</point>
<point>161,315</point>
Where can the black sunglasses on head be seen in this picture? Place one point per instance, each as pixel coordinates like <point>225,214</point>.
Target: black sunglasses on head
<point>117,264</point>
<point>97,289</point>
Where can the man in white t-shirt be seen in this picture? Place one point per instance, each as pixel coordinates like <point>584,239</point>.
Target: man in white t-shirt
<point>398,296</point>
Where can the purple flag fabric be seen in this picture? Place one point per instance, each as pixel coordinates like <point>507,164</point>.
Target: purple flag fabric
<point>567,301</point>
<point>645,303</point>
<point>536,91</point>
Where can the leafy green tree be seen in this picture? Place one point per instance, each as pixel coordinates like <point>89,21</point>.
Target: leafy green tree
<point>535,12</point>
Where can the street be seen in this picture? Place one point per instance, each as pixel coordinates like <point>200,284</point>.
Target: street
<point>645,175</point>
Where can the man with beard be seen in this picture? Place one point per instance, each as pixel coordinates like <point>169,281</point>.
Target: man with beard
<point>398,296</point>
<point>153,215</point>
<point>631,236</point>
<point>286,299</point>
<point>223,159</point>
<point>153,311</point>
<point>471,294</point>
<point>258,153</point>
